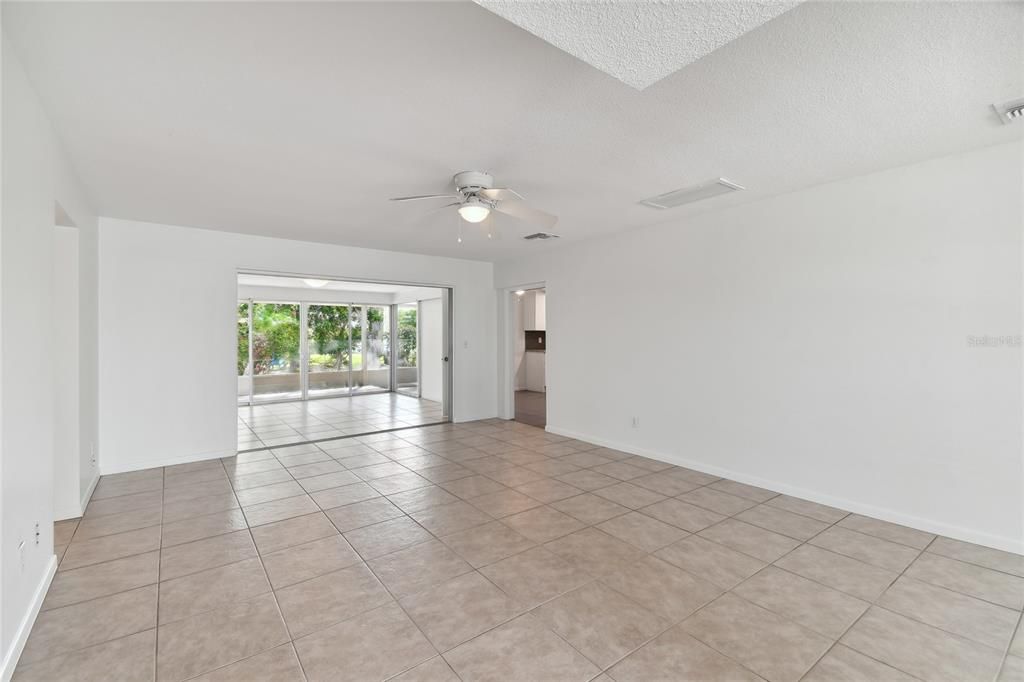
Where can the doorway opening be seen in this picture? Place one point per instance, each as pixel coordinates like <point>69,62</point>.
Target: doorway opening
<point>321,359</point>
<point>529,369</point>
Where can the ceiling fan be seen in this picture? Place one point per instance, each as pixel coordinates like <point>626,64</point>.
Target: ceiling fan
<point>477,197</point>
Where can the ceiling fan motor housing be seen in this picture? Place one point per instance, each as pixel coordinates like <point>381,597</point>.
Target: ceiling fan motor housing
<point>470,182</point>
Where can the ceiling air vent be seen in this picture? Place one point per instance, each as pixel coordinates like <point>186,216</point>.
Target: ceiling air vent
<point>688,195</point>
<point>541,235</point>
<point>1010,111</point>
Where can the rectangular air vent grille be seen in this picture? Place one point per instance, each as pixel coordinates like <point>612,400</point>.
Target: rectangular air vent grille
<point>688,195</point>
<point>541,235</point>
<point>1010,111</point>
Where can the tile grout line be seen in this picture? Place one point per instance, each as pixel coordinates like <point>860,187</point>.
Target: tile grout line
<point>159,575</point>
<point>731,591</point>
<point>873,604</point>
<point>314,441</point>
<point>920,552</point>
<point>369,567</point>
<point>474,569</point>
<point>273,592</point>
<point>398,603</point>
<point>1009,646</point>
<point>163,474</point>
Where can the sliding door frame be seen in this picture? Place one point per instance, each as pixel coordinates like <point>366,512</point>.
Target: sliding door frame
<point>447,343</point>
<point>419,345</point>
<point>448,348</point>
<point>303,350</point>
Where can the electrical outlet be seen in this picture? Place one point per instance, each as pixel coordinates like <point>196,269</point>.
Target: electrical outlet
<point>37,532</point>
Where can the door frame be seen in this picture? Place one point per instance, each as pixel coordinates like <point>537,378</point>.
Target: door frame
<point>447,345</point>
<point>507,313</point>
<point>448,349</point>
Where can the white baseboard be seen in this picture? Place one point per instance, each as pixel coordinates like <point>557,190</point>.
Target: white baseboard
<point>87,495</point>
<point>138,465</point>
<point>977,537</point>
<point>12,655</point>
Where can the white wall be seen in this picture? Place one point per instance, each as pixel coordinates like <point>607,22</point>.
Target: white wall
<point>167,300</point>
<point>430,353</point>
<point>64,361</point>
<point>534,310</point>
<point>35,175</point>
<point>815,343</point>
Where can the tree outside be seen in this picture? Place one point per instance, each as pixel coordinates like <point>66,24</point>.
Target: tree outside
<point>407,336</point>
<point>329,341</point>
<point>243,338</point>
<point>275,341</point>
<point>332,347</point>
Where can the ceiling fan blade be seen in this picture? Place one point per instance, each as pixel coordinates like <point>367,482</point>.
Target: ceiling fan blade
<point>441,208</point>
<point>427,218</point>
<point>500,194</point>
<point>425,196</point>
<point>524,212</point>
<point>489,227</point>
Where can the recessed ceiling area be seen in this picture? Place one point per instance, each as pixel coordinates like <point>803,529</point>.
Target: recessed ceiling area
<point>346,104</point>
<point>638,43</point>
<point>312,284</point>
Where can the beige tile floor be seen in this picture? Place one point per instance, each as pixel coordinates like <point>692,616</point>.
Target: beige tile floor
<point>277,424</point>
<point>494,551</point>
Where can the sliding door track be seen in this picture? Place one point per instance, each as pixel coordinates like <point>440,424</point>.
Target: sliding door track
<point>354,435</point>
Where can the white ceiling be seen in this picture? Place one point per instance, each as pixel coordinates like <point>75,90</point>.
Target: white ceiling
<point>300,120</point>
<point>638,42</point>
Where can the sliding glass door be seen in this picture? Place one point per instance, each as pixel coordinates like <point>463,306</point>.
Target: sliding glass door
<point>244,351</point>
<point>357,320</point>
<point>276,356</point>
<point>330,350</point>
<point>296,351</point>
<point>407,378</point>
<point>376,374</point>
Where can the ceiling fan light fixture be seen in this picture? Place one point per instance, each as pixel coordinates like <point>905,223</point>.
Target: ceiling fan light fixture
<point>474,211</point>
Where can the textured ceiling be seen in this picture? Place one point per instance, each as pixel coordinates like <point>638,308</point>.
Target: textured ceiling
<point>299,120</point>
<point>638,42</point>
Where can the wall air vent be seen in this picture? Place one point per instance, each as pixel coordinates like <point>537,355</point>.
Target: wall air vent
<point>541,235</point>
<point>1010,111</point>
<point>688,195</point>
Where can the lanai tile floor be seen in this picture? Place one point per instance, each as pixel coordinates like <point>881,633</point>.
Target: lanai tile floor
<point>277,424</point>
<point>494,551</point>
